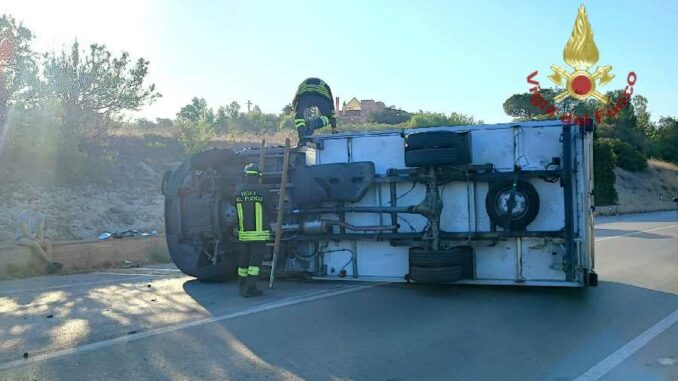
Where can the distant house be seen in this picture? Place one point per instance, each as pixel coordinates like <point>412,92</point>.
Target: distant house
<point>355,111</point>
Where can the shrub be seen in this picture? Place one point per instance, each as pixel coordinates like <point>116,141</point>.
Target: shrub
<point>628,157</point>
<point>604,161</point>
<point>195,136</point>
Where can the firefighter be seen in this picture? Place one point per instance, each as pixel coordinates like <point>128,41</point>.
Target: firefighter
<point>314,92</point>
<point>255,207</point>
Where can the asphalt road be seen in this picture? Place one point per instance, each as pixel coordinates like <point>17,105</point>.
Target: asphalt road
<point>156,324</point>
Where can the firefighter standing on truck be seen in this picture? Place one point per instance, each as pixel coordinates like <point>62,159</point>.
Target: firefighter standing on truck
<point>314,92</point>
<point>255,207</point>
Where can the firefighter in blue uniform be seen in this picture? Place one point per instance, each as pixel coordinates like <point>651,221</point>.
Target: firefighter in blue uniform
<point>314,92</point>
<point>255,208</point>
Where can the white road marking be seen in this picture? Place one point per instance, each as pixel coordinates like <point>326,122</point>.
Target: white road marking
<point>159,269</point>
<point>159,331</point>
<point>128,274</point>
<point>634,233</point>
<point>121,281</point>
<point>627,350</point>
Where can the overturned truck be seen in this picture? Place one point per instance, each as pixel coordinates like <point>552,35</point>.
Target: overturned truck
<point>503,204</point>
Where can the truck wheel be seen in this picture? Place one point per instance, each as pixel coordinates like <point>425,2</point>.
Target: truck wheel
<point>425,157</point>
<point>457,256</point>
<point>525,209</point>
<point>436,275</point>
<point>432,139</point>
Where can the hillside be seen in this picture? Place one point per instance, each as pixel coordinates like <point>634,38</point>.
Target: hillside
<point>130,197</point>
<point>645,191</point>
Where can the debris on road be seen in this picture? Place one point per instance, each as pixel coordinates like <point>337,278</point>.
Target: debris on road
<point>127,233</point>
<point>129,264</point>
<point>25,355</point>
<point>667,361</point>
<point>49,316</point>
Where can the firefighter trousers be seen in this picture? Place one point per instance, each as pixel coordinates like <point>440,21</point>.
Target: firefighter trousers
<point>250,257</point>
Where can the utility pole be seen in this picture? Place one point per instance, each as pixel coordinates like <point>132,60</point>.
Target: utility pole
<point>249,104</point>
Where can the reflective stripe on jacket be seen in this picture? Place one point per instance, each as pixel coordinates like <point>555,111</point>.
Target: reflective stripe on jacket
<point>249,204</point>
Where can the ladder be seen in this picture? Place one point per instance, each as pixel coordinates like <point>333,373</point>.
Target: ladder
<point>281,207</point>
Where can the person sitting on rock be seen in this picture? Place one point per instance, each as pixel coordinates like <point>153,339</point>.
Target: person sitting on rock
<point>30,231</point>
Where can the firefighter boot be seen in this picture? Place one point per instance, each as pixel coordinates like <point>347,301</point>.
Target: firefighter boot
<point>251,289</point>
<point>242,280</point>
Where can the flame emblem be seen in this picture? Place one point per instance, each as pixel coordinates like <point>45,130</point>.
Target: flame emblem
<point>581,53</point>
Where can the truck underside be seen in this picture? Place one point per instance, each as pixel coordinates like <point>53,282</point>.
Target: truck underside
<point>485,204</point>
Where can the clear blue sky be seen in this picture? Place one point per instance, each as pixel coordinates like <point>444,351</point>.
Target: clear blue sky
<point>444,56</point>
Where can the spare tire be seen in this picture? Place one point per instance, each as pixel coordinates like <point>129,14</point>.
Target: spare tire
<point>525,209</point>
<point>433,139</point>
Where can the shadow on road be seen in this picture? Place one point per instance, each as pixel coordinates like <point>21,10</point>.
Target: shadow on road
<point>401,331</point>
<point>393,331</point>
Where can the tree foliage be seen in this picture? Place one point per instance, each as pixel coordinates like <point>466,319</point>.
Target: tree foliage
<point>664,144</point>
<point>195,111</point>
<point>18,68</point>
<point>94,87</point>
<point>195,135</point>
<point>603,168</point>
<point>390,115</point>
<point>431,119</point>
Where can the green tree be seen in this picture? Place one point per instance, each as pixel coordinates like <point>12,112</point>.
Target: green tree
<point>390,115</point>
<point>664,143</point>
<point>94,87</point>
<point>432,119</point>
<point>526,106</point>
<point>286,122</point>
<point>195,135</point>
<point>627,157</point>
<point>221,120</point>
<point>18,70</point>
<point>233,110</point>
<point>603,168</point>
<point>643,116</point>
<point>196,110</point>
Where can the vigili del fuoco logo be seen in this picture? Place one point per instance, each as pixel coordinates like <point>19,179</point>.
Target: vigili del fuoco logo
<point>580,54</point>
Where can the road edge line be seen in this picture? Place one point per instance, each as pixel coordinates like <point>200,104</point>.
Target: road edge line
<point>633,233</point>
<point>627,350</point>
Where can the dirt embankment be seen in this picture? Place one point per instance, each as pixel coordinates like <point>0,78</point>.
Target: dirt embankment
<point>129,197</point>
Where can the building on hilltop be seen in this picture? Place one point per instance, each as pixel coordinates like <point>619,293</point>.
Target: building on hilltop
<point>355,111</point>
